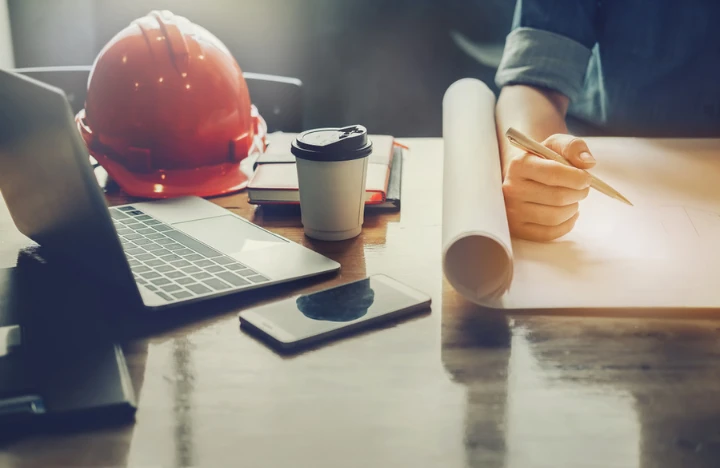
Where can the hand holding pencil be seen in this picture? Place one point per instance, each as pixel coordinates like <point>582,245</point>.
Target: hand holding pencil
<point>526,143</point>
<point>542,192</point>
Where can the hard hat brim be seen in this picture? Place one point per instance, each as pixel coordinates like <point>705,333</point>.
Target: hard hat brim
<point>207,181</point>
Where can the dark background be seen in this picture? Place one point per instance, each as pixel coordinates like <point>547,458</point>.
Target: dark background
<point>381,63</point>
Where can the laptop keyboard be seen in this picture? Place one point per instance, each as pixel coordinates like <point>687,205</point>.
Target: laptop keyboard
<point>172,264</point>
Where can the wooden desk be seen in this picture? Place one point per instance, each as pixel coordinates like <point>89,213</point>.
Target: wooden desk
<point>458,387</point>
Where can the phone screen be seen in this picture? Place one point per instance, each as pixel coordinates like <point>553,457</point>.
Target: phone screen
<point>335,308</point>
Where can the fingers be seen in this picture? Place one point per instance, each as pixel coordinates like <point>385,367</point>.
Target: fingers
<point>572,148</point>
<point>544,171</point>
<point>540,233</point>
<point>542,196</point>
<point>531,191</point>
<point>541,214</point>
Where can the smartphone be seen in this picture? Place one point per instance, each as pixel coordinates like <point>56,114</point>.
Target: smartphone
<point>322,315</point>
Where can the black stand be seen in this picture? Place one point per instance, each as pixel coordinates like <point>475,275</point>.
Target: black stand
<point>67,369</point>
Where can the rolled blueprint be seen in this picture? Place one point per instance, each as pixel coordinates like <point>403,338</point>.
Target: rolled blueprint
<point>476,245</point>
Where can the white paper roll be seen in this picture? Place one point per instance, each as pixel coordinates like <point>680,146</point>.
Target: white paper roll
<point>477,250</point>
<point>6,50</point>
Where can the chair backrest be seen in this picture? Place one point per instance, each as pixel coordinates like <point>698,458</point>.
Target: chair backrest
<point>278,98</point>
<point>72,80</point>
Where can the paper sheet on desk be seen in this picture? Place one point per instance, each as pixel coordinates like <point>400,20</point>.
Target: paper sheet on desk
<point>662,253</point>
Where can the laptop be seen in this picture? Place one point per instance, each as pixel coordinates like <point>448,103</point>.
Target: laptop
<point>156,254</point>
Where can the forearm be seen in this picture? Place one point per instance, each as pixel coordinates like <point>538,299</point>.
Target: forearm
<point>536,112</point>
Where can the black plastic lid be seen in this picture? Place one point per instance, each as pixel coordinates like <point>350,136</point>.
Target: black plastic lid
<point>332,144</point>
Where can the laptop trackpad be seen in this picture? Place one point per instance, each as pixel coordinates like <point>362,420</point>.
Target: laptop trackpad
<point>229,234</point>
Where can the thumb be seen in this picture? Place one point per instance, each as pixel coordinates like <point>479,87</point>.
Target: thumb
<point>572,148</point>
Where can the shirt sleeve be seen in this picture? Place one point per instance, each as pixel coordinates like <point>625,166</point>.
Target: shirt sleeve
<point>550,45</point>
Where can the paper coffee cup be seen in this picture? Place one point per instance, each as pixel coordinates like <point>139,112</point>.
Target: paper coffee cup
<point>332,168</point>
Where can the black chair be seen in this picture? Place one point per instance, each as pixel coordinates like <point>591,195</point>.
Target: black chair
<point>278,98</point>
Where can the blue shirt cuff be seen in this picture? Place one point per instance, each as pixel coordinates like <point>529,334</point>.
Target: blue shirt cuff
<point>542,58</point>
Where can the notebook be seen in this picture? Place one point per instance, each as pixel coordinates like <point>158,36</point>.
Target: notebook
<point>275,180</point>
<point>662,254</point>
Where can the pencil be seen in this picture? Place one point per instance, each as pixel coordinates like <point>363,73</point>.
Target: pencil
<point>526,143</point>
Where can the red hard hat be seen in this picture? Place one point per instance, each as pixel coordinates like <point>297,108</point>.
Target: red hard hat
<point>168,112</point>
